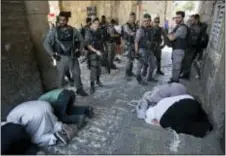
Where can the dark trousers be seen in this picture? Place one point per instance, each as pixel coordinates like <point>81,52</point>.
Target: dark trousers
<point>158,54</point>
<point>69,76</point>
<point>66,64</point>
<point>16,141</point>
<point>64,109</point>
<point>187,116</point>
<point>187,61</point>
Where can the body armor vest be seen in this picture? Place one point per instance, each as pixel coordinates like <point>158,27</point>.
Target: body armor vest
<point>111,39</point>
<point>64,40</point>
<point>145,41</point>
<point>158,35</point>
<point>127,37</point>
<point>180,43</point>
<point>96,39</point>
<point>193,36</point>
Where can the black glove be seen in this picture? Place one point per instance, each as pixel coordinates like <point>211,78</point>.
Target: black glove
<point>56,57</point>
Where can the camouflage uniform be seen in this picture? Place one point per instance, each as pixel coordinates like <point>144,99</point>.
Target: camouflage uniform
<point>146,56</point>
<point>111,43</point>
<point>59,40</point>
<point>129,46</point>
<point>94,39</point>
<point>190,52</point>
<point>158,33</point>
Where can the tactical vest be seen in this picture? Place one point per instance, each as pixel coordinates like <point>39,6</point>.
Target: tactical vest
<point>157,34</point>
<point>64,41</point>
<point>96,39</point>
<point>145,41</point>
<point>180,43</point>
<point>127,37</point>
<point>193,36</point>
<point>104,33</point>
<point>111,39</point>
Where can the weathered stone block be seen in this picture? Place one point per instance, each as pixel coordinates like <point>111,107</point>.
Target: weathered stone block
<point>20,75</point>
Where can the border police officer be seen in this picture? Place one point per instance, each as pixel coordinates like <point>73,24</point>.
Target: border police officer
<point>94,43</point>
<point>158,33</point>
<point>178,37</point>
<point>129,32</point>
<point>144,55</point>
<point>62,42</point>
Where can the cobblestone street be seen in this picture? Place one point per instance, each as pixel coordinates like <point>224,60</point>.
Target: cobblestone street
<point>115,128</point>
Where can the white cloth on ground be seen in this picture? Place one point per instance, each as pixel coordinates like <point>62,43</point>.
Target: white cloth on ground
<point>39,120</point>
<point>158,93</point>
<point>157,111</point>
<point>166,90</point>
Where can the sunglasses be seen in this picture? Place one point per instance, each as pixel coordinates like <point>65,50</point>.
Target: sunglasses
<point>156,21</point>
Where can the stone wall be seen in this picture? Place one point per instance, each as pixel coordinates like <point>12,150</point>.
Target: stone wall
<point>111,9</point>
<point>124,9</point>
<point>213,69</point>
<point>37,14</point>
<point>78,11</point>
<point>163,9</point>
<point>20,80</point>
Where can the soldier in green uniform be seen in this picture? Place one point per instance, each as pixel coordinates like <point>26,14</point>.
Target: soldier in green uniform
<point>64,43</point>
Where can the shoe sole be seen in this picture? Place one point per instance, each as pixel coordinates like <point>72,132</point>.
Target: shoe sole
<point>61,139</point>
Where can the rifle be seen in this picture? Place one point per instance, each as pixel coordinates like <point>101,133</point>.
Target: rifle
<point>75,44</point>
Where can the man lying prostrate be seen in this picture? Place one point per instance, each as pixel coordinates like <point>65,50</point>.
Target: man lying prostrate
<point>40,123</point>
<point>62,101</point>
<point>181,113</point>
<point>151,98</point>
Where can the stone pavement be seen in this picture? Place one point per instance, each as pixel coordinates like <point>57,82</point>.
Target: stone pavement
<point>115,128</point>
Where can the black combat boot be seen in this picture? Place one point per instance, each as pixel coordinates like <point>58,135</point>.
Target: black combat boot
<point>130,71</point>
<point>82,121</point>
<point>92,88</point>
<point>144,71</point>
<point>99,83</point>
<point>140,81</point>
<point>113,66</point>
<point>90,112</point>
<point>185,76</point>
<point>152,80</point>
<point>158,71</point>
<point>81,92</point>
